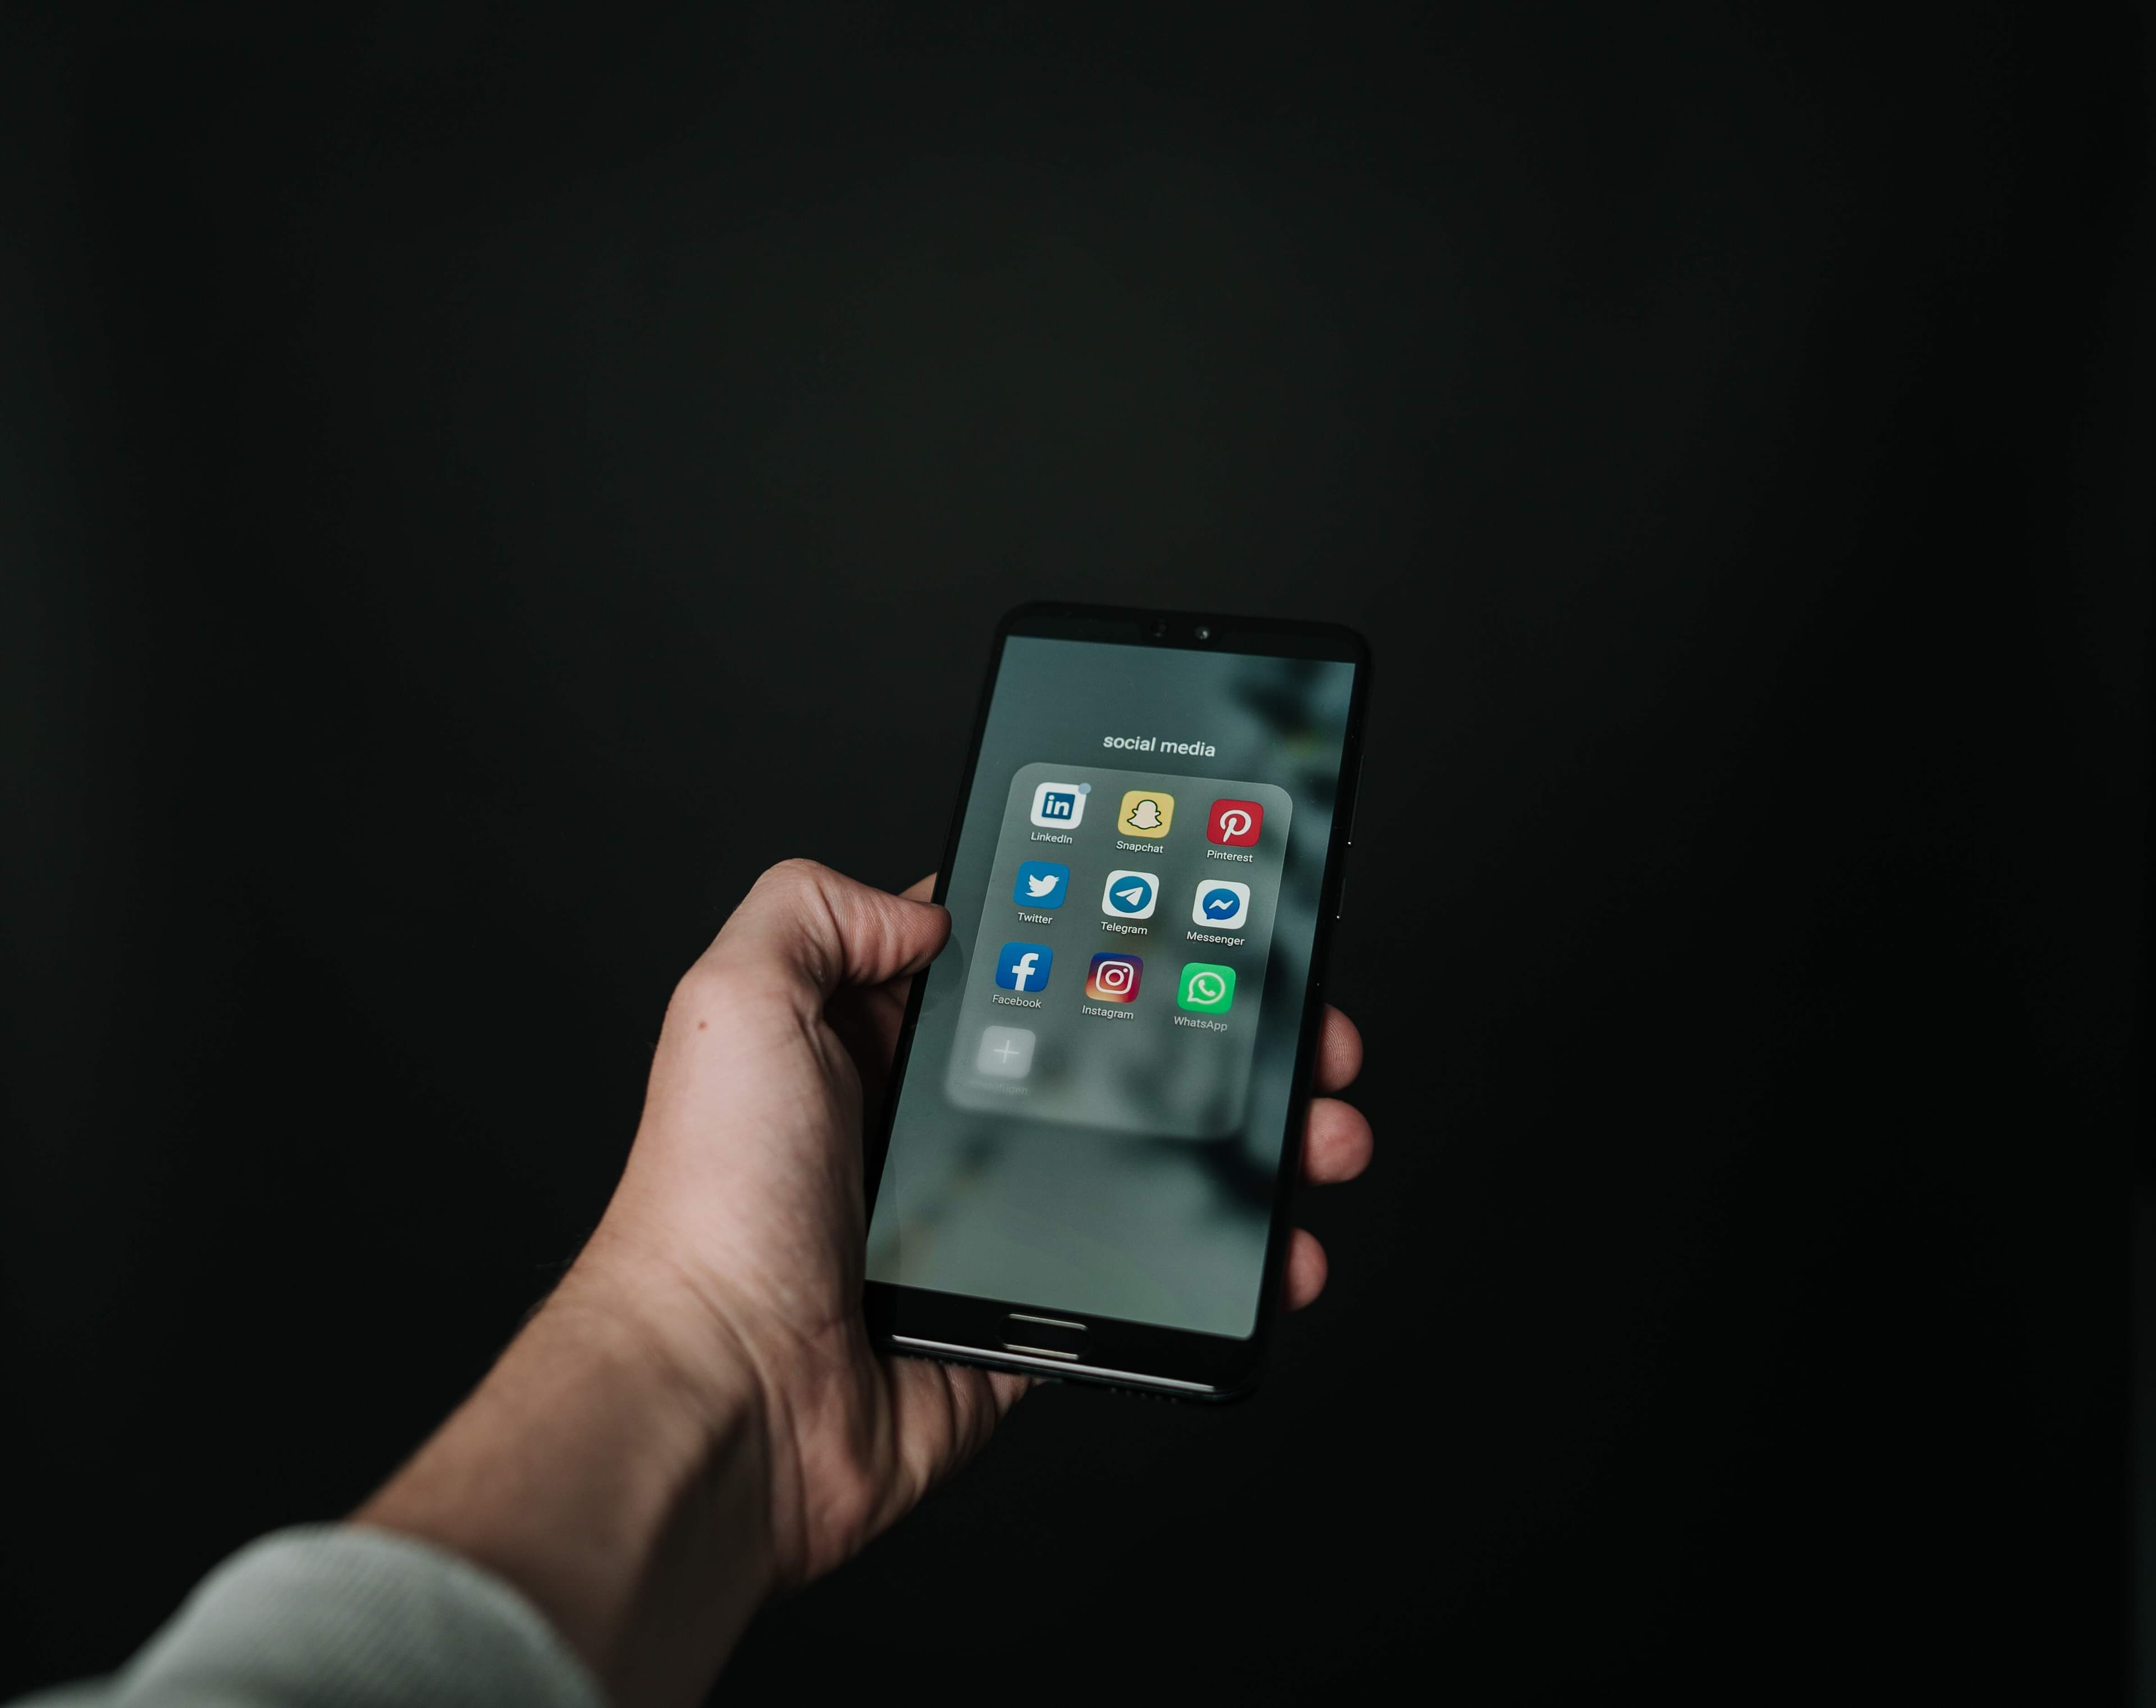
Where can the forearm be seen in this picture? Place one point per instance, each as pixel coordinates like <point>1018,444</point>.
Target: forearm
<point>626,1497</point>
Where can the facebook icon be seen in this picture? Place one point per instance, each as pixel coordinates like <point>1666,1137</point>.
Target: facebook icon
<point>1024,965</point>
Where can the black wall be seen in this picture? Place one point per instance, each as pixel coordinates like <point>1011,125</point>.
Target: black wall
<point>477,485</point>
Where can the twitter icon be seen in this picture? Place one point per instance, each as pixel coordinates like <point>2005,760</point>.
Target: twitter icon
<point>1040,883</point>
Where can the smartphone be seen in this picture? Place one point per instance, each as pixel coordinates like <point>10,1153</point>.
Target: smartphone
<point>1095,1116</point>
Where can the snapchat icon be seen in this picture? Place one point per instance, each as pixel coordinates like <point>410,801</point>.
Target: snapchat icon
<point>1146,812</point>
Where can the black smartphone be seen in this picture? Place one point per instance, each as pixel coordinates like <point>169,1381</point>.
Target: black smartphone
<point>1095,1116</point>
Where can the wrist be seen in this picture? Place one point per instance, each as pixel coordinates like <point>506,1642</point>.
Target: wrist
<point>725,1353</point>
<point>685,1360</point>
<point>623,1486</point>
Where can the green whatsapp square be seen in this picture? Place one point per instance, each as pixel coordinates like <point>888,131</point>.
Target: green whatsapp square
<point>1205,989</point>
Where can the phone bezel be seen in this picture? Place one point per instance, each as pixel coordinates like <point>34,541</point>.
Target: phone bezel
<point>1180,1363</point>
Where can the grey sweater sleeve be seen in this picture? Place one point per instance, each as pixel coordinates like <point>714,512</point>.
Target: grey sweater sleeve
<point>339,1615</point>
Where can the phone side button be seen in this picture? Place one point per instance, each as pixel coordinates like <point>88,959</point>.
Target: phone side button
<point>1044,1336</point>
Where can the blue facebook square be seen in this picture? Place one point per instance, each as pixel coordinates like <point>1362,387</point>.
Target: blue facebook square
<point>1040,883</point>
<point>1025,967</point>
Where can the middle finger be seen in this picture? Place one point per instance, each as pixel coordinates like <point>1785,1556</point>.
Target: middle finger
<point>1337,1143</point>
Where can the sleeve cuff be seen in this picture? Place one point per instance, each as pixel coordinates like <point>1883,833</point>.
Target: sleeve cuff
<point>341,1616</point>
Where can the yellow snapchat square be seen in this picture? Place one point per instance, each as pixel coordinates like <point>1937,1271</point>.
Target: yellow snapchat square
<point>1146,812</point>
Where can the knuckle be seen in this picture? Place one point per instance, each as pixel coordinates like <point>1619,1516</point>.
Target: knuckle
<point>697,990</point>
<point>790,876</point>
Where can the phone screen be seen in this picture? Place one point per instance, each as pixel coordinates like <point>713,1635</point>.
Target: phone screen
<point>1100,1077</point>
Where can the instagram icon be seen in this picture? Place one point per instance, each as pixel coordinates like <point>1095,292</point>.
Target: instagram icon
<point>1114,978</point>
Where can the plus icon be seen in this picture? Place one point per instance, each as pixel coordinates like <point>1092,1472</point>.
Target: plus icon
<point>1006,1053</point>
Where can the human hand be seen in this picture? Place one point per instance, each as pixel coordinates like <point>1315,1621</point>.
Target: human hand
<point>696,1417</point>
<point>743,1201</point>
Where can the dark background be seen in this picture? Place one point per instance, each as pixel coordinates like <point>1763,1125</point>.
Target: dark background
<point>476,484</point>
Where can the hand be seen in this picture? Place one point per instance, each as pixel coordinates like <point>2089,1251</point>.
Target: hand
<point>744,1196</point>
<point>718,1305</point>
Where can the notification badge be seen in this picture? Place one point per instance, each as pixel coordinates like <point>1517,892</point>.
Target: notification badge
<point>1114,978</point>
<point>1235,823</point>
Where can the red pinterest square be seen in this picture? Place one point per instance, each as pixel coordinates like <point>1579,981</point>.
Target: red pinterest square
<point>1235,823</point>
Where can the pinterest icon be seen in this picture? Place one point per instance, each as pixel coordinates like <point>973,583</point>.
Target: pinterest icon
<point>1235,823</point>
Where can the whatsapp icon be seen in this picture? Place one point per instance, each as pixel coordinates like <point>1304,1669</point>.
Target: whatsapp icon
<point>1206,989</point>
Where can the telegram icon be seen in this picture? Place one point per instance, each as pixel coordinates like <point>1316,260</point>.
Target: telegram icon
<point>1130,895</point>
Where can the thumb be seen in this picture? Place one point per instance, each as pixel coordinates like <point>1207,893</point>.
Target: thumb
<point>821,927</point>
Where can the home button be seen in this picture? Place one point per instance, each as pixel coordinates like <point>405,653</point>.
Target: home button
<point>1043,1337</point>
